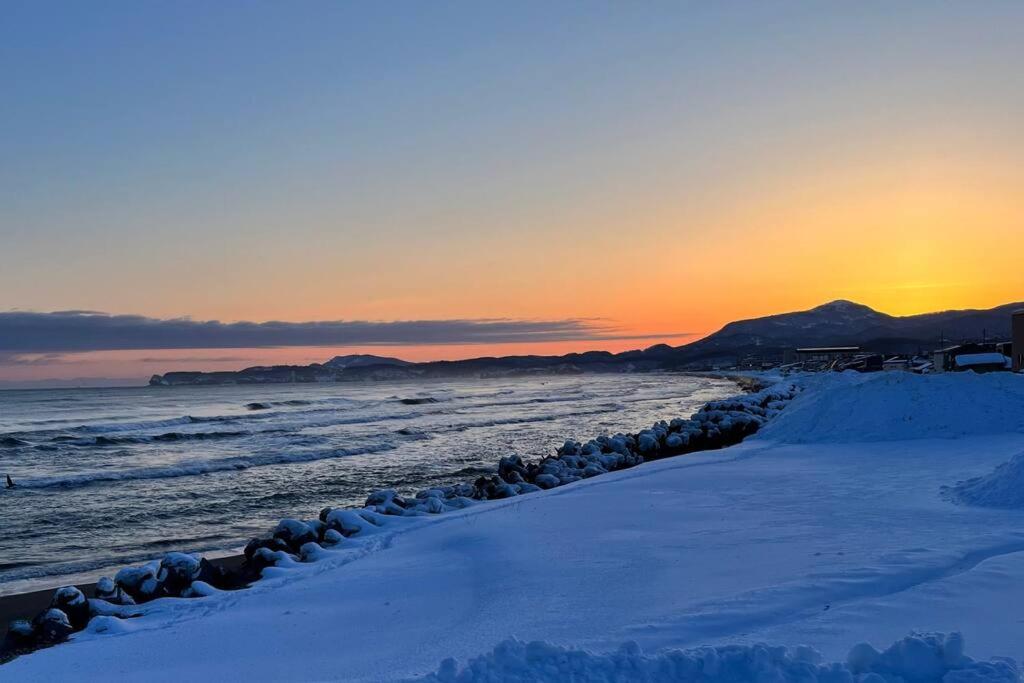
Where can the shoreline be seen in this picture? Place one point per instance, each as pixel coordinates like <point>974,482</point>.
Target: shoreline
<point>25,605</point>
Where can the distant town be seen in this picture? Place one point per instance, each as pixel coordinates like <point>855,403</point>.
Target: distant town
<point>982,355</point>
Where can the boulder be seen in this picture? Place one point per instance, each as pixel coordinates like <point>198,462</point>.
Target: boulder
<point>51,626</point>
<point>294,533</point>
<point>109,591</point>
<point>140,583</point>
<point>346,522</point>
<point>73,603</point>
<point>546,481</point>
<point>21,635</point>
<point>177,572</point>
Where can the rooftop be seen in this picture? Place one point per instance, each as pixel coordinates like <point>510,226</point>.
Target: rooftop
<point>966,360</point>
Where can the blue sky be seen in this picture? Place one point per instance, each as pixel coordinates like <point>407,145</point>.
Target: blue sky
<point>409,161</point>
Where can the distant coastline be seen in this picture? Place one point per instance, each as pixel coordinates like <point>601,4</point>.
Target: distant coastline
<point>756,344</point>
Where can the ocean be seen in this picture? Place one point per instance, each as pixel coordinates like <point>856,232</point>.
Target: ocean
<point>110,477</point>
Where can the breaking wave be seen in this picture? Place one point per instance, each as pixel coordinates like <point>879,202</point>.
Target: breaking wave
<point>191,468</point>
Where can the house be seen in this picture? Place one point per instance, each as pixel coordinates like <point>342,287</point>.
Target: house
<point>826,354</point>
<point>991,361</point>
<point>944,360</point>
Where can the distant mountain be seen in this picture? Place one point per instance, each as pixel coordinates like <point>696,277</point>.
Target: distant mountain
<point>362,360</point>
<point>841,323</point>
<point>837,323</point>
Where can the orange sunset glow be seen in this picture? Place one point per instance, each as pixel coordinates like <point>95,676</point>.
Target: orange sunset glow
<point>679,191</point>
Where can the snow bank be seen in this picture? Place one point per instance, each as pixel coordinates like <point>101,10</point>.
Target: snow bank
<point>919,658</point>
<point>852,407</point>
<point>1001,488</point>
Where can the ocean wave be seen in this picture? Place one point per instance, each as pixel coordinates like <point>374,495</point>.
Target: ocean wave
<point>134,426</point>
<point>12,442</point>
<point>190,468</point>
<point>420,400</point>
<point>103,440</point>
<point>547,417</point>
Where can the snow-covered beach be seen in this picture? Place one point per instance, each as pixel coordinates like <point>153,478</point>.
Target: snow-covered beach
<point>872,507</point>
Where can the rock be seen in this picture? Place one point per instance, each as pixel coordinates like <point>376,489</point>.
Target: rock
<point>546,481</point>
<point>272,544</point>
<point>139,582</point>
<point>647,443</point>
<point>72,602</point>
<point>109,591</point>
<point>294,533</point>
<point>511,469</point>
<point>346,522</point>
<point>387,502</point>
<point>51,626</point>
<point>199,589</point>
<point>569,448</point>
<point>265,557</point>
<point>434,506</point>
<point>21,635</point>
<point>332,537</point>
<point>216,576</point>
<point>311,552</point>
<point>177,572</point>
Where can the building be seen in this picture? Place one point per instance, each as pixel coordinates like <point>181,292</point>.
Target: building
<point>1017,347</point>
<point>862,362</point>
<point>990,361</point>
<point>944,360</point>
<point>896,363</point>
<point>826,354</point>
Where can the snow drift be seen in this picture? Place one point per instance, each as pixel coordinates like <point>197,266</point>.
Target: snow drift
<point>1001,488</point>
<point>850,407</point>
<point>919,658</point>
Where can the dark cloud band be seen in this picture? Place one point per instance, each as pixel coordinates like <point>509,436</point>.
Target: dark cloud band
<point>81,331</point>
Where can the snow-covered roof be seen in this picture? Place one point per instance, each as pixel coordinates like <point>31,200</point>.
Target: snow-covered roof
<point>966,360</point>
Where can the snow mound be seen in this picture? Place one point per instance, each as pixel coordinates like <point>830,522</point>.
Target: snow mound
<point>920,658</point>
<point>850,407</point>
<point>1003,487</point>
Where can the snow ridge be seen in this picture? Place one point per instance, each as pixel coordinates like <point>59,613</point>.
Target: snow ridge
<point>1002,488</point>
<point>921,658</point>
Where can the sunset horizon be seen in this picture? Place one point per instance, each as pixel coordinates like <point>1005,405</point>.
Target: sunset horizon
<point>663,169</point>
<point>141,360</point>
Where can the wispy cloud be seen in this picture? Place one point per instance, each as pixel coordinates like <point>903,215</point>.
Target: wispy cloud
<point>60,332</point>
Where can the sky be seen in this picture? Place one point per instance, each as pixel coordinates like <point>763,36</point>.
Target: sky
<point>590,175</point>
